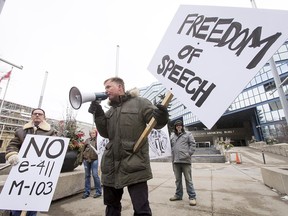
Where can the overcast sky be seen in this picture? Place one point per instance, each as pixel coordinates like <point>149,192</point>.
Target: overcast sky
<point>76,43</point>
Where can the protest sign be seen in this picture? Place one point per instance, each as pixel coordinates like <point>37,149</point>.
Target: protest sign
<point>31,183</point>
<point>158,140</point>
<point>159,143</point>
<point>209,54</point>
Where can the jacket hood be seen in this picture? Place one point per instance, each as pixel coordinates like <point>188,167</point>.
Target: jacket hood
<point>178,122</point>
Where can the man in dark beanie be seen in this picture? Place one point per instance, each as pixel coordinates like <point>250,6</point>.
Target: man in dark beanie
<point>183,146</point>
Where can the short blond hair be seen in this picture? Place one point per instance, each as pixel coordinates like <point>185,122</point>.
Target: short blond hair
<point>116,80</point>
<point>93,130</point>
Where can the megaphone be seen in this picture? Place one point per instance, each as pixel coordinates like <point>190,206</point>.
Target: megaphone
<point>77,98</point>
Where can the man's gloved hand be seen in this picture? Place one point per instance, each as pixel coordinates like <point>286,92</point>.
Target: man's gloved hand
<point>13,159</point>
<point>161,114</point>
<point>95,109</point>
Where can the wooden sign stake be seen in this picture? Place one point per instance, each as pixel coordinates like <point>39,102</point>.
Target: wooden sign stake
<point>152,123</point>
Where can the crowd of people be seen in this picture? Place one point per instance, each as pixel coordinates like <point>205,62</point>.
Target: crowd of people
<point>121,166</point>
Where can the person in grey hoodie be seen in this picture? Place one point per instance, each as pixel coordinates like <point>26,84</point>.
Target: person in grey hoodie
<point>183,147</point>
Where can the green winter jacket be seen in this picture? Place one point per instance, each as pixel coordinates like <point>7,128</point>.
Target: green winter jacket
<point>123,124</point>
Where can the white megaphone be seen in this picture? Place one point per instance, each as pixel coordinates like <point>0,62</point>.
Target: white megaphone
<point>77,98</point>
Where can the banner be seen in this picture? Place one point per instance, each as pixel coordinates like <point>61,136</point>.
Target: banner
<point>209,54</point>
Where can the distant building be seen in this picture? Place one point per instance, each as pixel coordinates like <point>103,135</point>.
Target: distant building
<point>15,115</point>
<point>256,113</point>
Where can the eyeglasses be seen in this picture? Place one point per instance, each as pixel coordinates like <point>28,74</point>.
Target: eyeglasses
<point>40,114</point>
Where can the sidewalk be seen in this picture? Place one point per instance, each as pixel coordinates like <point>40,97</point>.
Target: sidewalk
<point>222,190</point>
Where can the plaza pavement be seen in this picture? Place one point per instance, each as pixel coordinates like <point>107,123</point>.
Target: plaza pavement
<point>222,190</point>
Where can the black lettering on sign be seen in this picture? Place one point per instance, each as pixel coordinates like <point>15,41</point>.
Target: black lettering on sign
<point>199,88</point>
<point>39,152</point>
<point>230,33</point>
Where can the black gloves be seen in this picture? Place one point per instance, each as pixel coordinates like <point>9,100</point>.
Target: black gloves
<point>161,114</point>
<point>96,109</point>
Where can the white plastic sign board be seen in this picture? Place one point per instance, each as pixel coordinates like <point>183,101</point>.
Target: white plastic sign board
<point>31,183</point>
<point>209,54</point>
<point>159,143</point>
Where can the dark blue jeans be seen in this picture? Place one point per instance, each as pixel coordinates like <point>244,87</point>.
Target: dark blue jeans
<point>139,197</point>
<point>18,213</point>
<point>92,167</point>
<point>185,169</point>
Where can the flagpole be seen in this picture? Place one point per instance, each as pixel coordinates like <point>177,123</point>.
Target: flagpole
<point>117,61</point>
<point>43,88</point>
<point>277,80</point>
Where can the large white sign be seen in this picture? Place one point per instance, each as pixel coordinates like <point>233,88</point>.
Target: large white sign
<point>159,143</point>
<point>31,183</point>
<point>209,54</point>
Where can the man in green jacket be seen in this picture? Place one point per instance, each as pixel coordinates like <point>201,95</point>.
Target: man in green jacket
<point>123,124</point>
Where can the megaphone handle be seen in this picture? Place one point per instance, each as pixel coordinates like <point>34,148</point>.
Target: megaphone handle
<point>151,124</point>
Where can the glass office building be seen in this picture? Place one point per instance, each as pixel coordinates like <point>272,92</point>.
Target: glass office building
<point>256,113</point>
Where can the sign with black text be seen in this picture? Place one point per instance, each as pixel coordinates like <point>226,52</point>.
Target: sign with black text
<point>209,54</point>
<point>159,143</point>
<point>32,182</point>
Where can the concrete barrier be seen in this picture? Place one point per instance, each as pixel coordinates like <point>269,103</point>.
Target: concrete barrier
<point>280,149</point>
<point>276,178</point>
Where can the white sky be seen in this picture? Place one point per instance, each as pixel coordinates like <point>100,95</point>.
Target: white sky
<point>76,42</point>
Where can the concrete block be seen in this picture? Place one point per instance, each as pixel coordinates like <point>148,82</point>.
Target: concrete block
<point>70,183</point>
<point>276,178</point>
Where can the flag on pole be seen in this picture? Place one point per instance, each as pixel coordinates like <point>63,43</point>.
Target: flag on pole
<point>6,76</point>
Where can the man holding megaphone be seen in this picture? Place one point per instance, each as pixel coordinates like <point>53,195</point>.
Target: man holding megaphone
<point>123,124</point>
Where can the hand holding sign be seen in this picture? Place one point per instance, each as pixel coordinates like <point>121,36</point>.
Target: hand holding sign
<point>13,159</point>
<point>151,124</point>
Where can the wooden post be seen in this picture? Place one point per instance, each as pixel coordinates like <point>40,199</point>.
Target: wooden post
<point>23,213</point>
<point>152,123</point>
<point>4,167</point>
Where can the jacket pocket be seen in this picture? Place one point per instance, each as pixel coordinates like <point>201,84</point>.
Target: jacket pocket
<point>132,162</point>
<point>184,155</point>
<point>107,162</point>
